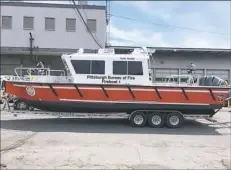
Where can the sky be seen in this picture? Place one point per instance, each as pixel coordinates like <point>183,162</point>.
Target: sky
<point>186,24</point>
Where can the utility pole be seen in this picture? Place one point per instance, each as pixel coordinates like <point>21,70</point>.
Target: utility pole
<point>108,15</point>
<point>32,48</point>
<point>31,45</point>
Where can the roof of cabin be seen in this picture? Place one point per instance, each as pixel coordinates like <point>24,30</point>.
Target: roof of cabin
<point>106,56</point>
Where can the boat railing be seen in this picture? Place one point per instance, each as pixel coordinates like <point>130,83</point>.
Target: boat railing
<point>191,80</point>
<point>37,71</point>
<point>39,75</point>
<point>179,80</point>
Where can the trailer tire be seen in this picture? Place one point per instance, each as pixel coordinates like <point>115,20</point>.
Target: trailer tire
<point>138,119</point>
<point>20,105</point>
<point>156,120</point>
<point>174,120</point>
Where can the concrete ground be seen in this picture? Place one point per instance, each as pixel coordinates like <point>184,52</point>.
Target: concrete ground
<point>33,141</point>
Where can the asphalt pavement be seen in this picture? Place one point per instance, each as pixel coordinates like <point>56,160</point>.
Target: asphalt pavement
<point>48,142</point>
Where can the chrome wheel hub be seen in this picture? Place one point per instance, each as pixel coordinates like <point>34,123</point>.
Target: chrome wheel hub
<point>156,120</point>
<point>174,120</point>
<point>138,119</point>
<point>21,106</point>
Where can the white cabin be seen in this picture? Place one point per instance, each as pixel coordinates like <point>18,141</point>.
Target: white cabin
<point>106,67</point>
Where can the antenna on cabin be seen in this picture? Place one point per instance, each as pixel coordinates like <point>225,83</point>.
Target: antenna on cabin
<point>148,51</point>
<point>151,61</point>
<point>145,49</point>
<point>151,56</point>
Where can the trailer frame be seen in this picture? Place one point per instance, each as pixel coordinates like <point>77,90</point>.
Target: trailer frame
<point>147,115</point>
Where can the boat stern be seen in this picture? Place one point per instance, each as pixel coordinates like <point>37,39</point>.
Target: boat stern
<point>10,88</point>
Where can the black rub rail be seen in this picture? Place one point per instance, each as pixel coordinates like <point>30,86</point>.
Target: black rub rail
<point>79,92</point>
<point>53,90</point>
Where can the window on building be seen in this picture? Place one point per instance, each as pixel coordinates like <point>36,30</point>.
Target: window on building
<point>98,67</point>
<point>6,22</point>
<point>120,67</point>
<point>70,24</point>
<point>135,68</point>
<point>81,66</point>
<point>91,23</point>
<point>28,23</point>
<point>49,24</point>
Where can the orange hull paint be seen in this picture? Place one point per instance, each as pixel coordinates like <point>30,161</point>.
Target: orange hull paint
<point>119,93</point>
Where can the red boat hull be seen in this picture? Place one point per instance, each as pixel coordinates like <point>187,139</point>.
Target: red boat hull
<point>118,98</point>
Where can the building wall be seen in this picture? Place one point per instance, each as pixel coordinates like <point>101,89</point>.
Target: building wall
<point>60,38</point>
<point>164,65</point>
<point>209,61</point>
<point>10,62</point>
<point>206,64</point>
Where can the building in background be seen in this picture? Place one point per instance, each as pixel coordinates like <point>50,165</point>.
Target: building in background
<point>174,61</point>
<point>42,31</point>
<point>56,29</point>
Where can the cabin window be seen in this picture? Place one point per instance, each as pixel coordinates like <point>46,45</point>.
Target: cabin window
<point>120,67</point>
<point>135,68</point>
<point>127,68</point>
<point>81,66</point>
<point>88,66</point>
<point>98,67</point>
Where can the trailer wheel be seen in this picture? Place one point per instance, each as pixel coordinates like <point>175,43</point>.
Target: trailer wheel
<point>138,119</point>
<point>156,120</point>
<point>20,105</point>
<point>174,120</point>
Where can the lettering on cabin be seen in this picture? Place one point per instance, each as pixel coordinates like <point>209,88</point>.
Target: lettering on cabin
<point>130,78</point>
<point>131,58</point>
<point>96,77</point>
<point>111,79</point>
<point>127,58</point>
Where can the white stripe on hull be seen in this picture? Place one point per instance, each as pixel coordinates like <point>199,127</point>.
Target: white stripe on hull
<point>125,89</point>
<point>136,89</point>
<point>41,87</point>
<point>137,102</point>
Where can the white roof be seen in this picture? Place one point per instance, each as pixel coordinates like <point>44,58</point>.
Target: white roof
<point>105,53</point>
<point>108,55</point>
